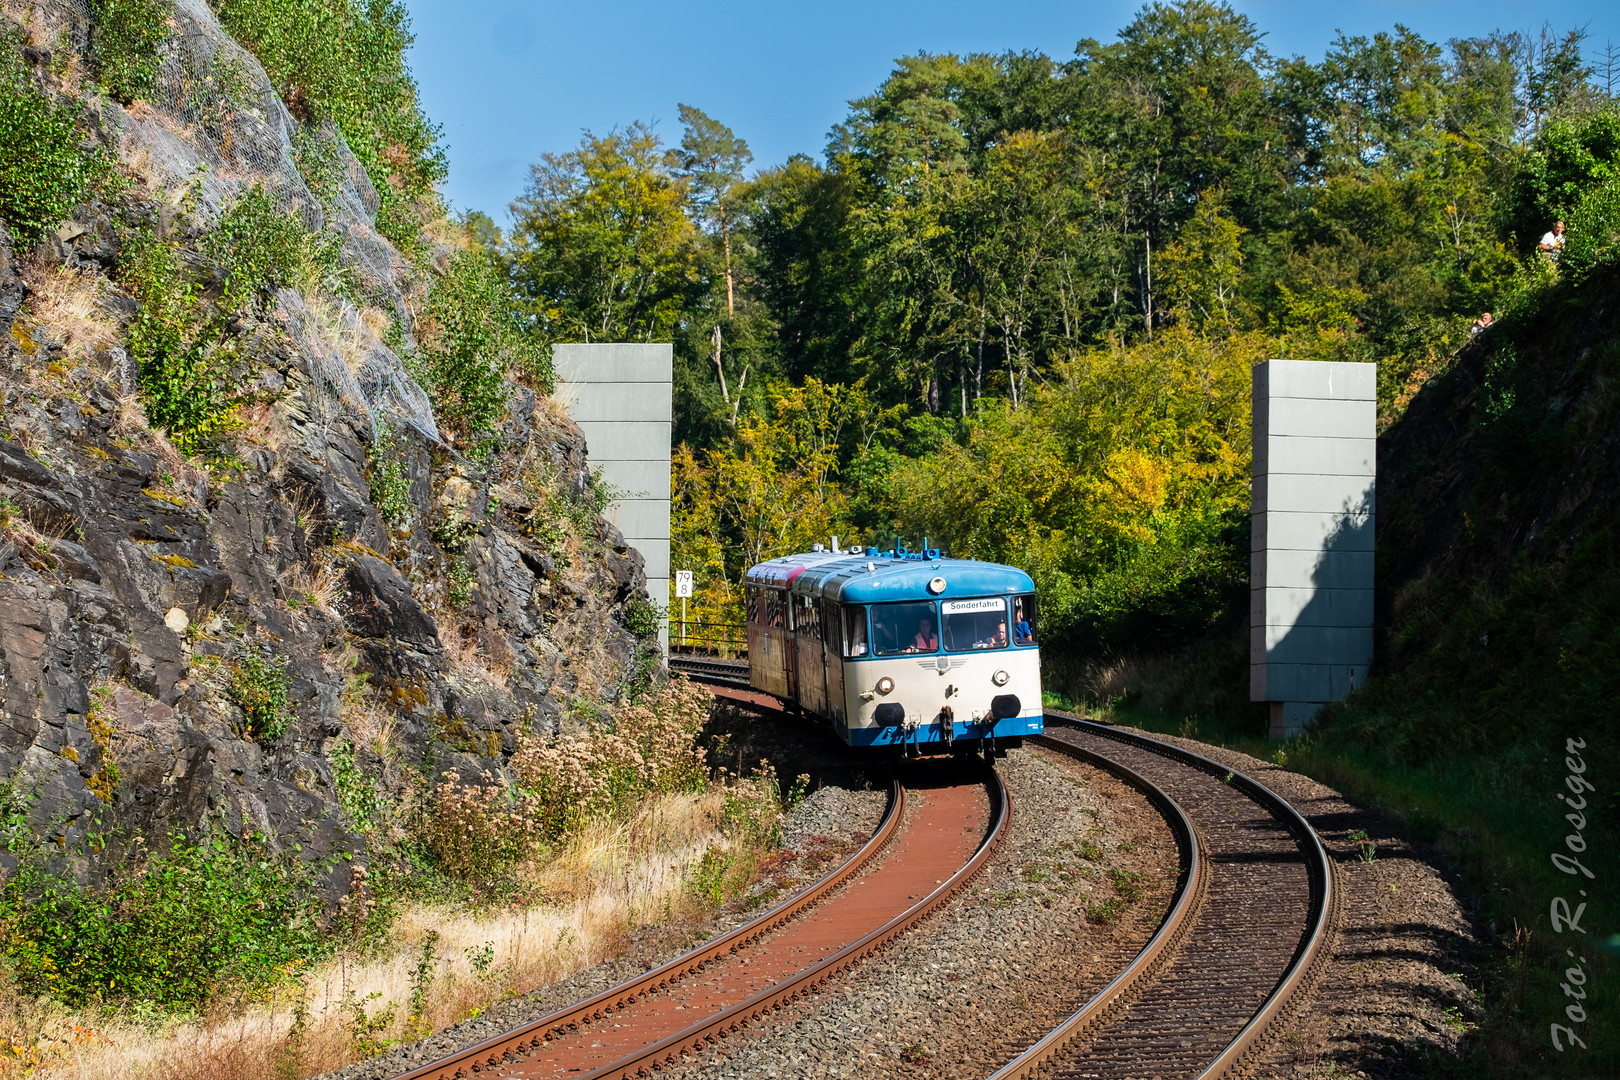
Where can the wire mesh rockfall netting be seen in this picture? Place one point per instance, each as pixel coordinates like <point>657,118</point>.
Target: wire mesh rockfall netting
<point>214,127</point>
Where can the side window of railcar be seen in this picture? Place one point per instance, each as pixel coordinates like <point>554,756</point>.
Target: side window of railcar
<point>805,619</point>
<point>975,624</point>
<point>905,628</point>
<point>1024,627</point>
<point>855,631</point>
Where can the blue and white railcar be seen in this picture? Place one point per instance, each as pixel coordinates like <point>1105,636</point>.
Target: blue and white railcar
<point>898,648</point>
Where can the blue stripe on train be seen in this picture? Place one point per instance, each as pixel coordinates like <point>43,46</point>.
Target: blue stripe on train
<point>932,733</point>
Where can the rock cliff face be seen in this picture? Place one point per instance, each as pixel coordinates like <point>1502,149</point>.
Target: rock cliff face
<point>144,600</point>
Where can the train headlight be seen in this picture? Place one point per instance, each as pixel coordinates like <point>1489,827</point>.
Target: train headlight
<point>1000,678</point>
<point>885,685</point>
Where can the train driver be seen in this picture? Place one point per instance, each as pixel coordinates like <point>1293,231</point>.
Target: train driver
<point>924,641</point>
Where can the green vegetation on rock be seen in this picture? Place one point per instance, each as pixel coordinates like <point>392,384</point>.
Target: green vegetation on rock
<point>184,338</point>
<point>125,36</point>
<point>174,926</point>
<point>344,61</point>
<point>45,169</point>
<point>258,686</point>
<point>471,335</point>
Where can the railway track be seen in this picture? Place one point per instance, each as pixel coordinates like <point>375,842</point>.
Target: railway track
<point>1246,933</point>
<point>710,666</point>
<point>941,826</point>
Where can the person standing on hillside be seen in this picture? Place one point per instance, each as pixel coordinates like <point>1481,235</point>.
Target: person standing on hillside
<point>1552,242</point>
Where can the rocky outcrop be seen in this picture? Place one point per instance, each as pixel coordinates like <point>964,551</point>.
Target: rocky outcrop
<point>130,585</point>
<point>138,590</point>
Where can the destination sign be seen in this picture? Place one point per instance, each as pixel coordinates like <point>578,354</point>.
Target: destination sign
<point>962,607</point>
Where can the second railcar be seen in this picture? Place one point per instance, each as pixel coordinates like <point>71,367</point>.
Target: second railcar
<point>896,647</point>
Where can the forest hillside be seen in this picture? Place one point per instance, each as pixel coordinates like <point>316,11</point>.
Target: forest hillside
<point>1012,307</point>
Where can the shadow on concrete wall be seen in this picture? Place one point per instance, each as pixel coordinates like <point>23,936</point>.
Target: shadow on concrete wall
<point>1328,649</point>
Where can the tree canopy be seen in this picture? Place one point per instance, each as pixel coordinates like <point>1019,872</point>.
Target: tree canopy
<point>1014,305</point>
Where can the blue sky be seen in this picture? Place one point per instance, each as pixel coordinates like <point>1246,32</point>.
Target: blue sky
<point>510,80</point>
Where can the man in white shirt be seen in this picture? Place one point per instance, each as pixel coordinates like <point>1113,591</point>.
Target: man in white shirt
<point>1552,243</point>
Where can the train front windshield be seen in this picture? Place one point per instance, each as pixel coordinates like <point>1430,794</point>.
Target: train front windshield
<point>904,628</point>
<point>975,624</point>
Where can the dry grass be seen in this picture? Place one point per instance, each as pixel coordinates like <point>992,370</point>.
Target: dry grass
<point>1108,681</point>
<point>318,585</point>
<point>129,420</point>
<point>475,657</point>
<point>585,899</point>
<point>352,333</point>
<point>260,423</point>
<point>66,306</point>
<point>371,723</point>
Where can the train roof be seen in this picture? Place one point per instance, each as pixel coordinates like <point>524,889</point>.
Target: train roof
<point>876,577</point>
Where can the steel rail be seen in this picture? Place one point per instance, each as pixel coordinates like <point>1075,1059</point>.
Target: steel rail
<point>1303,968</point>
<point>707,1033</point>
<point>725,669</point>
<point>490,1052</point>
<point>1187,899</point>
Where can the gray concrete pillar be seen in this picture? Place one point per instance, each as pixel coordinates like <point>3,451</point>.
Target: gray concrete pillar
<point>621,397</point>
<point>1311,556</point>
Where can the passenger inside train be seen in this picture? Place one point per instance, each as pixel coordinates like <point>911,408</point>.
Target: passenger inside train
<point>1024,620</point>
<point>975,624</point>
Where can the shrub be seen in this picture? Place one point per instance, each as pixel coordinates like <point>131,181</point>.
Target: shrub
<point>650,748</point>
<point>462,580</point>
<point>752,814</point>
<point>356,793</point>
<point>471,334</point>
<point>390,480</point>
<point>259,246</point>
<point>1593,229</point>
<point>474,832</point>
<point>186,365</point>
<point>125,36</point>
<point>643,617</point>
<point>344,61</point>
<point>454,529</point>
<point>184,344</point>
<point>259,688</point>
<point>171,928</point>
<point>44,170</point>
<point>1573,155</point>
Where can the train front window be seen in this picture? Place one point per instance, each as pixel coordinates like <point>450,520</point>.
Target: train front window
<point>975,624</point>
<point>1023,624</point>
<point>905,628</point>
<point>855,631</point>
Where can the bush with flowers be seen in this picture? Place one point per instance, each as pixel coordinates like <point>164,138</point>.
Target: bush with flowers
<point>608,769</point>
<point>647,749</point>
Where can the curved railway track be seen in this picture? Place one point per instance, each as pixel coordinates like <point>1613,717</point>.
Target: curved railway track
<point>939,830</point>
<point>710,666</point>
<point>1247,930</point>
<point>1245,934</point>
